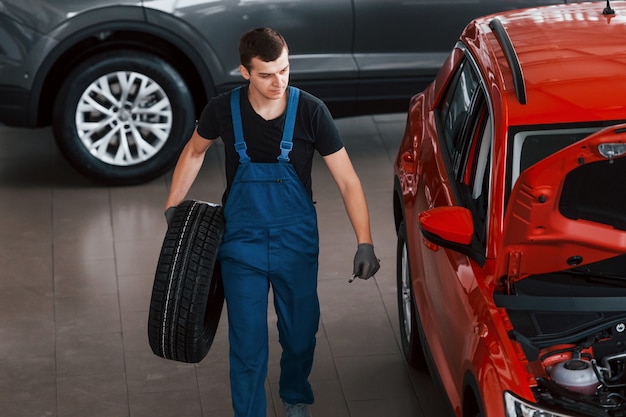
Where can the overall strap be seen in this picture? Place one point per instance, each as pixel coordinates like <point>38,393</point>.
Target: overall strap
<point>286,143</point>
<point>235,110</point>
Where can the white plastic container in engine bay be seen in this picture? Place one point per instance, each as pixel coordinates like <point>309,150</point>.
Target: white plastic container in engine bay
<point>576,375</point>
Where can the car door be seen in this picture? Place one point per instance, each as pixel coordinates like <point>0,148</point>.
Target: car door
<point>319,35</point>
<point>450,299</point>
<point>407,41</point>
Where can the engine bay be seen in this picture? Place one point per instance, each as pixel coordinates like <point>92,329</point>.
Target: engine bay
<point>588,377</point>
<point>572,327</point>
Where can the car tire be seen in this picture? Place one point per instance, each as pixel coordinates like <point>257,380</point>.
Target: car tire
<point>188,295</point>
<point>409,331</point>
<point>122,118</point>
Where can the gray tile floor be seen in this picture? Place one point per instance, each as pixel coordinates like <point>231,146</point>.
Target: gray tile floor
<point>76,268</point>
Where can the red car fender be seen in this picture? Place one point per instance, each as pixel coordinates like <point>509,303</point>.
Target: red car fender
<point>501,364</point>
<point>408,162</point>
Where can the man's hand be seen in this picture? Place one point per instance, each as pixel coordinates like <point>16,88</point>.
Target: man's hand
<point>169,215</point>
<point>366,264</point>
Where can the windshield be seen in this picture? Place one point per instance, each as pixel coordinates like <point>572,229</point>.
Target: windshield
<point>591,192</point>
<point>531,146</point>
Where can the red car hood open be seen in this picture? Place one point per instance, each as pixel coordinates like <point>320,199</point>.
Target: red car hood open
<point>567,210</point>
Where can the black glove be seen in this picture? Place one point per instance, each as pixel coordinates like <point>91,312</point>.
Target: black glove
<point>169,215</point>
<point>366,264</point>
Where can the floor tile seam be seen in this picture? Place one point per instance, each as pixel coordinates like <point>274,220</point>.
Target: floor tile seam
<point>388,313</point>
<point>87,293</point>
<point>197,390</point>
<point>385,398</point>
<point>119,299</point>
<point>330,347</point>
<point>380,397</point>
<point>162,391</point>
<point>70,334</point>
<point>394,395</point>
<point>389,152</point>
<point>157,237</point>
<point>91,375</point>
<point>370,355</point>
<point>334,365</point>
<point>54,297</point>
<point>320,379</point>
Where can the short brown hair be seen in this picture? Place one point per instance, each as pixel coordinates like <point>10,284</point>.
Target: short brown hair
<point>263,43</point>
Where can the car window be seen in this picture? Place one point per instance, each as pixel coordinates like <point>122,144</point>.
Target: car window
<point>587,192</point>
<point>465,127</point>
<point>477,173</point>
<point>531,146</point>
<point>454,111</point>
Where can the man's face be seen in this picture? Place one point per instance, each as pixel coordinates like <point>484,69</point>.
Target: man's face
<point>268,79</point>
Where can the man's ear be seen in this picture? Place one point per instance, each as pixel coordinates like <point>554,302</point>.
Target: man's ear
<point>244,72</point>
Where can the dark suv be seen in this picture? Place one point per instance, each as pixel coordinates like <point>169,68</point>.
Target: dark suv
<point>122,81</point>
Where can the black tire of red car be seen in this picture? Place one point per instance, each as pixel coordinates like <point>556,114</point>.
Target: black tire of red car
<point>122,117</point>
<point>409,321</point>
<point>188,295</point>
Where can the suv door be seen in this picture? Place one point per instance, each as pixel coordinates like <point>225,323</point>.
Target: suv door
<point>319,35</point>
<point>464,137</point>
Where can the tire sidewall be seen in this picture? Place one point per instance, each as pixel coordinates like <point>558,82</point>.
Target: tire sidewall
<point>85,74</point>
<point>411,345</point>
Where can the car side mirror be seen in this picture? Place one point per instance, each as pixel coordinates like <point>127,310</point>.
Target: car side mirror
<point>447,226</point>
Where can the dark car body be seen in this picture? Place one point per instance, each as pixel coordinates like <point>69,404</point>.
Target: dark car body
<point>357,55</point>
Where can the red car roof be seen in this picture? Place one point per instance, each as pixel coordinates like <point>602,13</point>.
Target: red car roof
<point>588,80</point>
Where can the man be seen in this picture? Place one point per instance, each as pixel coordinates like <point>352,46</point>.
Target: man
<point>270,132</point>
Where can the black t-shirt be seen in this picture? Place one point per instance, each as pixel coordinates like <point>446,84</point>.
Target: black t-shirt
<point>315,130</point>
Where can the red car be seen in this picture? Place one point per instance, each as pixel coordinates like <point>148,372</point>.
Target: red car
<point>510,209</point>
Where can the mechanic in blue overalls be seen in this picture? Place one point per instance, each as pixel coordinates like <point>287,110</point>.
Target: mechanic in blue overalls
<point>270,132</point>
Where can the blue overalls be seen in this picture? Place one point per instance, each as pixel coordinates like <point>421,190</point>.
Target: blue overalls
<point>271,237</point>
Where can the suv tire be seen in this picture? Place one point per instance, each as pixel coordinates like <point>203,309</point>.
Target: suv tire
<point>121,117</point>
<point>188,295</point>
<point>407,313</point>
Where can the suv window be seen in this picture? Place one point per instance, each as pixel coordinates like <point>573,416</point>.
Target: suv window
<point>455,109</point>
<point>531,146</point>
<point>465,127</point>
<point>476,170</point>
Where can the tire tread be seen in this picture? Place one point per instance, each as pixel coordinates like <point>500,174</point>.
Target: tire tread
<point>187,296</point>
